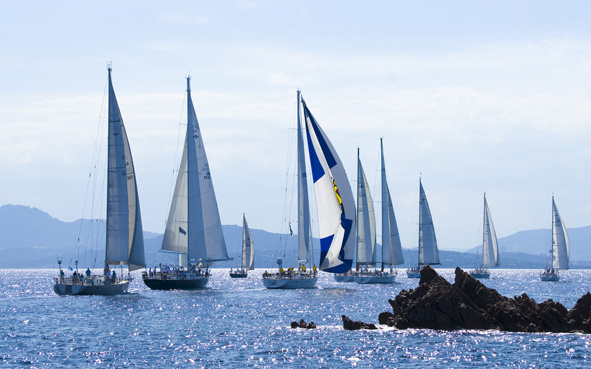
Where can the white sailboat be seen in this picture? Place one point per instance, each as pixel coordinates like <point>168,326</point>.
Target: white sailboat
<point>335,206</point>
<point>391,245</point>
<point>124,234</point>
<point>490,247</point>
<point>247,252</point>
<point>194,229</point>
<point>366,229</point>
<point>428,252</point>
<point>560,247</point>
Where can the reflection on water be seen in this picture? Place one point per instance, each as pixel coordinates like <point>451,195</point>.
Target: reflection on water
<point>238,323</point>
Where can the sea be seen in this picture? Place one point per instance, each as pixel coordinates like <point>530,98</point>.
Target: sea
<point>237,323</point>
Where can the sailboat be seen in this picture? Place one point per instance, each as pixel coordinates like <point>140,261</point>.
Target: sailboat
<point>560,247</point>
<point>124,234</point>
<point>391,245</point>
<point>335,205</point>
<point>194,229</point>
<point>490,247</point>
<point>247,252</point>
<point>428,252</point>
<point>366,228</point>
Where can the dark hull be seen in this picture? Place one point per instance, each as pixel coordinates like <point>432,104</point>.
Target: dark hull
<point>238,275</point>
<point>176,284</point>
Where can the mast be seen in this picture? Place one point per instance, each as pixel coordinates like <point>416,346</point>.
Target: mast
<point>385,224</point>
<point>304,252</point>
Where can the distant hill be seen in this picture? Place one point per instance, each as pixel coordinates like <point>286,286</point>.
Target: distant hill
<point>31,238</point>
<point>539,242</point>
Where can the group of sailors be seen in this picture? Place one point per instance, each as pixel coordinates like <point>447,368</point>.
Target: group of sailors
<point>77,277</point>
<point>291,272</point>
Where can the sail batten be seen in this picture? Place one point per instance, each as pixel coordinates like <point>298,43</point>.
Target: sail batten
<point>428,251</point>
<point>334,200</point>
<point>124,240</point>
<point>194,225</point>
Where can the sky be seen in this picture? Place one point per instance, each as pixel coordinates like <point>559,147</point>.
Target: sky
<point>473,97</point>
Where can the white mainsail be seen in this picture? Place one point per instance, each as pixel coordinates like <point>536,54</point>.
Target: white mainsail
<point>194,227</point>
<point>334,200</point>
<point>247,246</point>
<point>391,245</point>
<point>124,240</point>
<point>560,241</point>
<point>304,253</point>
<point>490,247</point>
<point>366,220</point>
<point>428,252</point>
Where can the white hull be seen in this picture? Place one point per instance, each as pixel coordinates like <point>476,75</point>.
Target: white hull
<point>549,276</point>
<point>385,278</point>
<point>276,281</point>
<point>480,273</point>
<point>99,289</point>
<point>344,277</point>
<point>413,273</point>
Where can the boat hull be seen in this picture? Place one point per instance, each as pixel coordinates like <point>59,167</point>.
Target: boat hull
<point>346,278</point>
<point>413,273</point>
<point>67,289</point>
<point>480,275</point>
<point>375,279</point>
<point>239,275</point>
<point>289,282</point>
<point>192,283</point>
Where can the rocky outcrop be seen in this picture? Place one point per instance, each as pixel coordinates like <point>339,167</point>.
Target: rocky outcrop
<point>350,325</point>
<point>302,324</point>
<point>468,304</point>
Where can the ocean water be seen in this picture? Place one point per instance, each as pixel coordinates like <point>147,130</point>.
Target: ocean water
<point>238,323</point>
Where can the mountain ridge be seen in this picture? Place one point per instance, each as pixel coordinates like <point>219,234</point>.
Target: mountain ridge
<point>31,238</point>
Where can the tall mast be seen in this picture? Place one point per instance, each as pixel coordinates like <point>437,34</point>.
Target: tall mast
<point>305,254</point>
<point>385,223</point>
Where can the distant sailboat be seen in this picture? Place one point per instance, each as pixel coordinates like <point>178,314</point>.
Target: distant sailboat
<point>124,239</point>
<point>428,252</point>
<point>366,228</point>
<point>560,247</point>
<point>335,205</point>
<point>490,247</point>
<point>247,252</point>
<point>391,245</point>
<point>194,229</point>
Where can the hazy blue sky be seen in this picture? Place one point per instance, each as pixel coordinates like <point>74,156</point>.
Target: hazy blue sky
<point>478,96</point>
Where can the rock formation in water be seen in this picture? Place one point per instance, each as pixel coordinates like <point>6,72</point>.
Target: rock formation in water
<point>302,324</point>
<point>468,304</point>
<point>350,325</point>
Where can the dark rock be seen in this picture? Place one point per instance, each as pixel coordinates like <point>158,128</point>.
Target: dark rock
<point>302,324</point>
<point>350,325</point>
<point>468,304</point>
